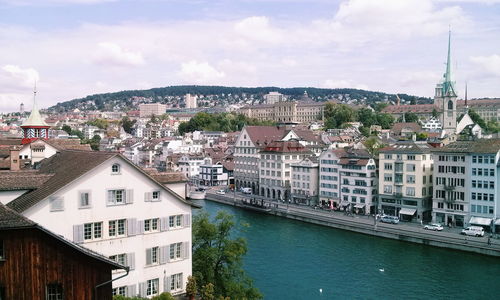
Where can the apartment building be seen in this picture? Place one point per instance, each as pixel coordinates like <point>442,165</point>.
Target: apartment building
<point>104,202</point>
<point>151,109</point>
<point>305,181</point>
<point>190,165</point>
<point>405,181</point>
<point>329,184</point>
<point>212,174</point>
<point>275,168</point>
<point>467,184</point>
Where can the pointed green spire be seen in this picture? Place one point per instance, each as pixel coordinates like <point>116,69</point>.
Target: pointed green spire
<point>448,88</point>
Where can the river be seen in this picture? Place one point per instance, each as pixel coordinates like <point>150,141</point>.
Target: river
<point>289,259</point>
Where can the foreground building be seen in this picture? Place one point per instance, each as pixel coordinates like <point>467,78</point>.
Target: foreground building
<point>305,181</point>
<point>467,184</point>
<point>405,175</point>
<point>104,202</point>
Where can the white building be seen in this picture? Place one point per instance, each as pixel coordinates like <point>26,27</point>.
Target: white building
<point>151,109</point>
<point>212,174</point>
<point>107,204</point>
<point>329,184</point>
<point>304,182</point>
<point>274,97</point>
<point>191,101</point>
<point>433,124</point>
<point>190,165</point>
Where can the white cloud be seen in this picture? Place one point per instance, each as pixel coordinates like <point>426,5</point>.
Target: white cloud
<point>343,83</point>
<point>112,54</point>
<point>200,73</point>
<point>258,29</point>
<point>488,64</point>
<point>15,78</point>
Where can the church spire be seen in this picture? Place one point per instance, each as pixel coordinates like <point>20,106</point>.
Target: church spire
<point>448,88</point>
<point>34,127</point>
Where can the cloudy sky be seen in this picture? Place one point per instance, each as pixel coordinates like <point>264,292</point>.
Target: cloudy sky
<point>74,48</point>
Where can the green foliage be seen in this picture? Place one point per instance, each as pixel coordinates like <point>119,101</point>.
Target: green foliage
<point>435,113</point>
<point>493,126</point>
<point>217,258</point>
<point>118,297</point>
<point>163,296</point>
<point>226,122</point>
<point>67,128</point>
<point>373,146</point>
<point>127,124</point>
<point>339,114</point>
<point>385,120</point>
<point>99,123</point>
<point>378,107</point>
<point>422,136</point>
<point>78,133</point>
<point>409,118</point>
<point>191,287</point>
<point>364,131</point>
<point>207,292</point>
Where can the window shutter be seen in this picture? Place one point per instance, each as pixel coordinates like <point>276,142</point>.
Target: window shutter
<point>168,252</point>
<point>148,256</point>
<point>131,227</point>
<point>82,199</point>
<point>182,280</point>
<point>140,225</point>
<point>166,284</point>
<point>142,289</point>
<point>78,233</point>
<point>187,249</point>
<point>129,196</point>
<point>187,220</point>
<point>163,254</point>
<point>110,197</point>
<point>164,224</point>
<point>147,197</point>
<point>131,291</point>
<point>131,260</point>
<point>56,203</point>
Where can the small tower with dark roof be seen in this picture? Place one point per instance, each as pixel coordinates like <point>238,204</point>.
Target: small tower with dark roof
<point>34,127</point>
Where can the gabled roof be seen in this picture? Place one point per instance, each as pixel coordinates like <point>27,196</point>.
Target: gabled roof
<point>490,146</point>
<point>286,147</point>
<point>67,166</point>
<point>11,220</point>
<point>397,128</point>
<point>22,180</point>
<point>416,108</point>
<point>407,147</point>
<point>261,136</point>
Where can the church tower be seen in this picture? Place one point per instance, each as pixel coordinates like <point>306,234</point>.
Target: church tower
<point>445,97</point>
<point>34,127</point>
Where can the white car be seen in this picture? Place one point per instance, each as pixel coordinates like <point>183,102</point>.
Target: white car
<point>473,231</point>
<point>220,192</point>
<point>434,226</point>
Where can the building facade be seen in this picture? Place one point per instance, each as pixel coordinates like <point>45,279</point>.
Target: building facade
<point>151,109</point>
<point>305,181</point>
<point>286,111</point>
<point>212,174</point>
<point>405,181</point>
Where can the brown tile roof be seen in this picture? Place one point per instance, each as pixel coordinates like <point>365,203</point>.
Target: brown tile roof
<point>166,177</point>
<point>480,103</point>
<point>68,144</point>
<point>261,136</point>
<point>10,142</point>
<point>22,180</point>
<point>398,127</point>
<point>10,219</point>
<point>286,147</point>
<point>417,108</point>
<point>353,161</point>
<point>228,164</point>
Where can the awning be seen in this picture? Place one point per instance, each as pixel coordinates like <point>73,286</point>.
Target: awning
<point>497,222</point>
<point>344,203</point>
<point>407,211</point>
<point>480,221</point>
<point>359,205</point>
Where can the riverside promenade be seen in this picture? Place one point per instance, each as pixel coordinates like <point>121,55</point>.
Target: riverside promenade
<point>408,232</point>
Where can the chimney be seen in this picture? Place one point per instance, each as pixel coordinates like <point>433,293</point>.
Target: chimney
<point>414,137</point>
<point>14,159</point>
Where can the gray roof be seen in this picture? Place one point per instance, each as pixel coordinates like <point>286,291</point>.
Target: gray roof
<point>478,146</point>
<point>407,147</point>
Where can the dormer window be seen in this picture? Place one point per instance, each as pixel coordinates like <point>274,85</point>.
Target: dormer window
<point>115,169</point>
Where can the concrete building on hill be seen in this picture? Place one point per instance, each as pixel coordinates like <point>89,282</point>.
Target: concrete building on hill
<point>274,97</point>
<point>286,111</point>
<point>151,109</point>
<point>191,101</point>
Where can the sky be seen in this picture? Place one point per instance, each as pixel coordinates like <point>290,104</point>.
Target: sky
<point>75,48</point>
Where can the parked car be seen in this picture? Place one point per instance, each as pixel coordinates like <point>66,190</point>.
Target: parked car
<point>390,219</point>
<point>433,226</point>
<point>220,192</point>
<point>246,190</point>
<point>473,231</point>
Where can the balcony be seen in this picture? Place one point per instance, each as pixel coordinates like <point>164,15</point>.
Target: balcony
<point>398,182</point>
<point>398,195</point>
<point>449,187</point>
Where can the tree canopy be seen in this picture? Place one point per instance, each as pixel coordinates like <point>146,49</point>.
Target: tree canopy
<point>217,258</point>
<point>226,122</point>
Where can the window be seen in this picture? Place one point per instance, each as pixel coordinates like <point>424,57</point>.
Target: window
<point>152,287</point>
<point>84,200</point>
<point>410,157</point>
<point>387,166</point>
<point>120,258</point>
<point>151,225</point>
<point>155,196</point>
<point>116,196</point>
<point>410,191</point>
<point>175,250</point>
<point>117,228</point>
<point>176,282</point>
<point>54,291</point>
<point>56,203</point>
<point>388,189</point>
<point>122,291</point>
<point>410,167</point>
<point>115,169</point>
<point>92,231</point>
<point>410,178</point>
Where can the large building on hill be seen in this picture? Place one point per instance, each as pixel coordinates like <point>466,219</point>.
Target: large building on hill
<point>286,111</point>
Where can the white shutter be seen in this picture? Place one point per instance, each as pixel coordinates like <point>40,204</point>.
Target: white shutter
<point>182,280</point>
<point>168,252</point>
<point>166,284</point>
<point>78,233</point>
<point>140,225</point>
<point>187,250</point>
<point>147,197</point>
<point>148,256</point>
<point>164,253</point>
<point>187,220</point>
<point>164,224</point>
<point>131,291</point>
<point>56,203</point>
<point>129,196</point>
<point>142,289</point>
<point>131,227</point>
<point>131,260</point>
<point>111,199</point>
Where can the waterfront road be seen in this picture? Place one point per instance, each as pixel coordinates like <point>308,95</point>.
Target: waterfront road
<point>365,224</point>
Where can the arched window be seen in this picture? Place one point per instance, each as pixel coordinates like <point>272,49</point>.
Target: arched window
<point>450,104</point>
<point>115,169</point>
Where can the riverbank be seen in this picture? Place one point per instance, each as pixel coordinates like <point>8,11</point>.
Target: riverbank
<point>369,226</point>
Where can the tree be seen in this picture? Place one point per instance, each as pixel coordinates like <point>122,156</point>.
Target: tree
<point>385,120</point>
<point>127,124</point>
<point>217,258</point>
<point>207,292</point>
<point>99,123</point>
<point>191,287</point>
<point>380,106</point>
<point>66,128</point>
<point>476,118</point>
<point>367,117</point>
<point>373,146</point>
<point>94,142</point>
<point>78,133</point>
<point>435,113</point>
<point>409,118</point>
<point>422,136</point>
